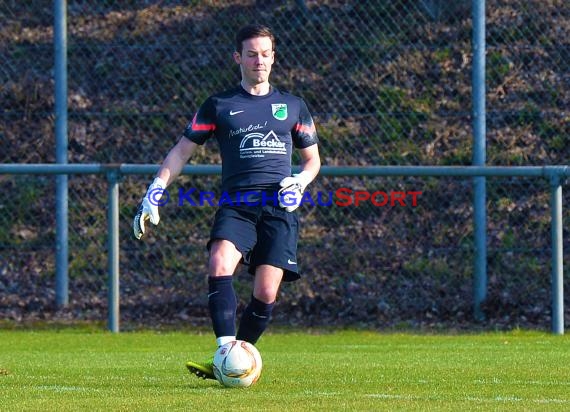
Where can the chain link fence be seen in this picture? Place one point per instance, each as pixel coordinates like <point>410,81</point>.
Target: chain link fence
<point>388,82</point>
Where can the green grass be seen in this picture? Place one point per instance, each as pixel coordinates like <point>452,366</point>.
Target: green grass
<point>72,370</point>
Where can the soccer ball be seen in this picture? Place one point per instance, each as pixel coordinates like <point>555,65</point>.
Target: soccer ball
<point>237,364</point>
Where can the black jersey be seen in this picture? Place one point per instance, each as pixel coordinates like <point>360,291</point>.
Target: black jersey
<point>256,135</point>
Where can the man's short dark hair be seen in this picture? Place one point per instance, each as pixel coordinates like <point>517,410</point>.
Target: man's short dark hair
<point>253,30</point>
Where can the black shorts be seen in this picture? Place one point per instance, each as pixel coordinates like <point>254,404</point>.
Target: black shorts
<point>263,234</point>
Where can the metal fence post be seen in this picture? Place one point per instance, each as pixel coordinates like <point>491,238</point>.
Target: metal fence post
<point>60,79</point>
<point>557,265</point>
<point>479,159</point>
<point>113,248</point>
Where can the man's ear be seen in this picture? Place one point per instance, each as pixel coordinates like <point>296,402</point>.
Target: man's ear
<point>237,57</point>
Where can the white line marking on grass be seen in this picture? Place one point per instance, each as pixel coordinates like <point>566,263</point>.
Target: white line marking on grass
<point>65,389</point>
<point>496,399</point>
<point>61,388</point>
<point>495,381</point>
<point>390,396</point>
<point>508,399</point>
<point>514,399</point>
<point>543,401</point>
<point>542,383</point>
<point>317,393</point>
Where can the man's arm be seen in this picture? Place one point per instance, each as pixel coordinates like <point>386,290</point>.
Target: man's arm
<point>175,160</point>
<point>171,167</point>
<point>310,162</point>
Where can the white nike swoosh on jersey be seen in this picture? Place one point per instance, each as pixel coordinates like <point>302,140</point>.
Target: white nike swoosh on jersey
<point>213,293</point>
<point>232,113</point>
<point>291,262</point>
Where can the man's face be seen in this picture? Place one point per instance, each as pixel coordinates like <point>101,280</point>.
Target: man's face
<point>255,60</point>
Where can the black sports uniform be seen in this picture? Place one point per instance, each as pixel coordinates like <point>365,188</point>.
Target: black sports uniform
<point>256,136</point>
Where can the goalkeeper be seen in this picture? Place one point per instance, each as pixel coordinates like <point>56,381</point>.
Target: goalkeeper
<point>256,126</point>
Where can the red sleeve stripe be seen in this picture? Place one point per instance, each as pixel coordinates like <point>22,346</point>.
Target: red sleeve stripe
<point>307,129</point>
<point>202,127</point>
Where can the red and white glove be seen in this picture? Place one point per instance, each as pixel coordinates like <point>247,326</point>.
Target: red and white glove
<point>148,209</point>
<point>291,192</point>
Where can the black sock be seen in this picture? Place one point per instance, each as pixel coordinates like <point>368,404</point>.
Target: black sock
<point>222,302</point>
<point>254,320</point>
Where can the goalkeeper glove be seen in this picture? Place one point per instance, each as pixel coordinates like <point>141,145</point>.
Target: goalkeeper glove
<point>291,192</point>
<point>148,209</point>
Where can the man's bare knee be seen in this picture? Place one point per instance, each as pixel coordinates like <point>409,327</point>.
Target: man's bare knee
<point>224,257</point>
<point>267,281</point>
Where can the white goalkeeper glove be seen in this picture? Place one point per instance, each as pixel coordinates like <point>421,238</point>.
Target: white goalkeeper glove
<point>148,209</point>
<point>291,192</point>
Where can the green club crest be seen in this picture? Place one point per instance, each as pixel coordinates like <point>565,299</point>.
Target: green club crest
<point>279,111</point>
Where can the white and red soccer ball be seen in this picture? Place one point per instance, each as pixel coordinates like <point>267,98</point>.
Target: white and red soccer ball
<point>237,364</point>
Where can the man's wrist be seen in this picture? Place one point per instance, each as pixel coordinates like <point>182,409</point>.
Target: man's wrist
<point>155,190</point>
<point>305,178</point>
<point>158,183</point>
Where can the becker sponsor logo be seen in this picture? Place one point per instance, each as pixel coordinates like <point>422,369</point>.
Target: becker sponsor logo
<point>259,144</point>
